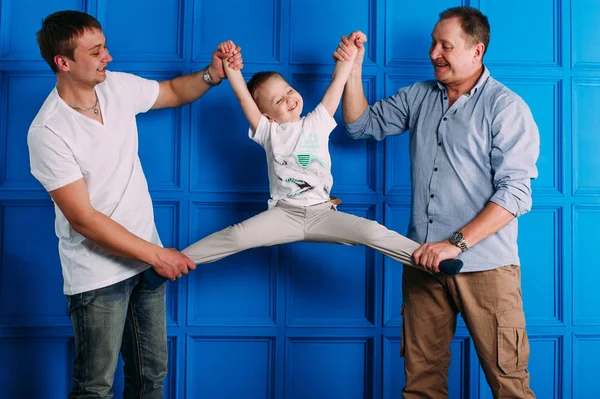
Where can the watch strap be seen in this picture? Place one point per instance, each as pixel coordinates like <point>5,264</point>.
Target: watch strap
<point>207,77</point>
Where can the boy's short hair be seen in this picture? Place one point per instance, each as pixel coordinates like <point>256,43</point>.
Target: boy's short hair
<point>259,78</point>
<point>59,34</point>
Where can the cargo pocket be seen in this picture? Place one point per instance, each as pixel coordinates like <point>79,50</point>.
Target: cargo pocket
<point>513,344</point>
<point>402,333</point>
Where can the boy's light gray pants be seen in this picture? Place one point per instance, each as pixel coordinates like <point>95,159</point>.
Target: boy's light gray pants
<point>285,223</point>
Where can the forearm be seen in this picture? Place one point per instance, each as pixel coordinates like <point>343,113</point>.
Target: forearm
<point>114,238</point>
<point>188,88</point>
<point>489,221</point>
<point>354,102</point>
<point>240,89</point>
<point>333,94</point>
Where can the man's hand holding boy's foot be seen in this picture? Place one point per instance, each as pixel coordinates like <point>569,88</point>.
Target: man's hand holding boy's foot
<point>436,257</point>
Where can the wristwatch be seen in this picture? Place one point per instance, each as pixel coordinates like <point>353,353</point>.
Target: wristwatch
<point>458,240</point>
<point>208,79</point>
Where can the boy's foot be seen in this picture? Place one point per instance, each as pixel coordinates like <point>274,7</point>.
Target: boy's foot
<point>450,266</point>
<point>151,279</point>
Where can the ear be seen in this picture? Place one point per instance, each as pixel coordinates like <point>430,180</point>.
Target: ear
<point>478,55</point>
<point>62,63</point>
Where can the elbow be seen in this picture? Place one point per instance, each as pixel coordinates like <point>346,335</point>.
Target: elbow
<point>80,222</point>
<point>354,133</point>
<point>79,226</point>
<point>350,116</point>
<point>356,127</point>
<point>516,200</point>
<point>523,206</point>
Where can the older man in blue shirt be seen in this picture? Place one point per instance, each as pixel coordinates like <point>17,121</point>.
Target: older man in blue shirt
<point>473,149</point>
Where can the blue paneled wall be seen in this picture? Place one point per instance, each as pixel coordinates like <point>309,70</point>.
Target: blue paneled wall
<point>305,321</point>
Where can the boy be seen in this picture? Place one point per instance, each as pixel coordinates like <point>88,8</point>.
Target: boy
<point>300,177</point>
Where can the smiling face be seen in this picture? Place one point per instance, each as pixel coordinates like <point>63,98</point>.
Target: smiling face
<point>88,65</point>
<point>278,101</point>
<point>456,61</point>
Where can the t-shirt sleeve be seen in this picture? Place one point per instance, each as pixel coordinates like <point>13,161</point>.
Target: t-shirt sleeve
<point>320,117</point>
<point>143,93</point>
<point>261,134</point>
<point>52,161</point>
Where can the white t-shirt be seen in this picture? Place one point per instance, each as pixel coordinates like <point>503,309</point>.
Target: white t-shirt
<point>298,157</point>
<point>65,146</point>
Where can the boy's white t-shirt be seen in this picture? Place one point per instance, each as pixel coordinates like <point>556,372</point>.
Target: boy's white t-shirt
<point>65,146</point>
<point>298,157</point>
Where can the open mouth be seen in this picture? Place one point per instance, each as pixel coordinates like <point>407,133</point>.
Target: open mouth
<point>293,107</point>
<point>101,69</point>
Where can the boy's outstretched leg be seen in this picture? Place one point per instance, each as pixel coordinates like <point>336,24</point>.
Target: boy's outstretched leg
<point>272,227</point>
<point>325,224</point>
<point>277,225</point>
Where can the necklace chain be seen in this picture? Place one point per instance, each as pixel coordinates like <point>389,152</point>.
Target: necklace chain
<point>93,107</point>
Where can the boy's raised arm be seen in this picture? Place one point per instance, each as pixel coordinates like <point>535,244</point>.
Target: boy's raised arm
<point>238,84</point>
<point>333,95</point>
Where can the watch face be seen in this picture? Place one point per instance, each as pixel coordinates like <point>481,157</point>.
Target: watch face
<point>456,237</point>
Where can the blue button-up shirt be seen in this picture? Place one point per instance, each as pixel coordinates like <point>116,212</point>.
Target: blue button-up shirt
<point>483,148</point>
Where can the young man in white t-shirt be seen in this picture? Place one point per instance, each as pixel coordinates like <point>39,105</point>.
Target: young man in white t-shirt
<point>299,167</point>
<point>83,147</point>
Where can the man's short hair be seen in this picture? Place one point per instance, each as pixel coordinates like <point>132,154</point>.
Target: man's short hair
<point>259,78</point>
<point>474,24</point>
<point>59,34</point>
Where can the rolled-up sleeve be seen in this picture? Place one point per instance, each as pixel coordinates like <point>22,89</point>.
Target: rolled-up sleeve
<point>386,117</point>
<point>515,150</point>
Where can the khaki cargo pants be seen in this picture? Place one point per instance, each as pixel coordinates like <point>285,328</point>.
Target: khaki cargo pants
<point>491,306</point>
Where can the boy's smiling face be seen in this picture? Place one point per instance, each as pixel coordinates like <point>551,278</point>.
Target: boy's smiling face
<point>278,101</point>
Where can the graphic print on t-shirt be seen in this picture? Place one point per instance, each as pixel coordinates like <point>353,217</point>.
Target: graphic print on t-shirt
<point>303,161</point>
<point>303,187</point>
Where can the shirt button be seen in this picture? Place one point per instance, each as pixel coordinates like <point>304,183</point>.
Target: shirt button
<point>432,196</point>
<point>445,98</point>
<point>435,169</point>
<point>430,221</point>
<point>440,144</point>
<point>445,118</point>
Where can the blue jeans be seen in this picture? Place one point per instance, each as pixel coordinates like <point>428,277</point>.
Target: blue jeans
<point>126,317</point>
